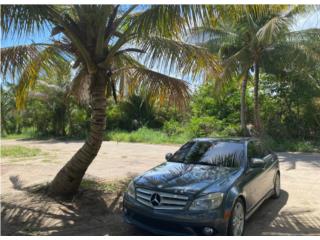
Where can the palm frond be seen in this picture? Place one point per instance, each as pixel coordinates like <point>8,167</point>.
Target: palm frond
<point>204,33</point>
<point>304,42</point>
<point>155,19</point>
<point>306,35</point>
<point>178,56</point>
<point>234,64</point>
<point>132,77</point>
<point>261,11</point>
<point>272,29</point>
<point>298,10</point>
<point>80,87</point>
<point>16,58</point>
<point>160,86</point>
<point>29,62</point>
<point>22,20</point>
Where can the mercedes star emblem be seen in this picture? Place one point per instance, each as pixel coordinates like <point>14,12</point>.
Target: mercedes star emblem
<point>155,199</point>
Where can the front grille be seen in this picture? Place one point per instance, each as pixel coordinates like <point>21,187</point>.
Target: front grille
<point>168,201</point>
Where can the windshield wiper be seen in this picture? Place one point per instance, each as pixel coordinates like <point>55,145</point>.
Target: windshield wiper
<point>175,161</point>
<point>205,163</point>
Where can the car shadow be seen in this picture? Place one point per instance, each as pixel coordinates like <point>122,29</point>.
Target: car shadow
<point>272,219</point>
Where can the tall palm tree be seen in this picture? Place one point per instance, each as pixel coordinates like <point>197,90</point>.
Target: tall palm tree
<point>245,35</point>
<point>113,48</point>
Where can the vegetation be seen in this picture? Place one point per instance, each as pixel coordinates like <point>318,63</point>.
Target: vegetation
<point>247,40</point>
<point>147,136</point>
<point>115,81</point>
<point>16,151</point>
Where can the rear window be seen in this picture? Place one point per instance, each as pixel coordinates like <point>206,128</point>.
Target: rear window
<point>215,153</point>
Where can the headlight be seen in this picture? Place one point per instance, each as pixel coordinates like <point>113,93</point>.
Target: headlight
<point>131,191</point>
<point>207,202</point>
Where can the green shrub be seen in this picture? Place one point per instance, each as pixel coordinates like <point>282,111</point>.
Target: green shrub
<point>172,127</point>
<point>146,135</point>
<point>204,126</point>
<point>231,130</point>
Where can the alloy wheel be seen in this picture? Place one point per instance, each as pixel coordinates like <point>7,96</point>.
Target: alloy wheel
<point>238,219</point>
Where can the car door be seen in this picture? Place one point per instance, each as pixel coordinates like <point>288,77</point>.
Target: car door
<point>255,185</point>
<point>270,168</point>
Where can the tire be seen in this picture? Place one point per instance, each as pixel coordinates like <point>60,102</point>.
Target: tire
<point>237,222</point>
<point>277,187</point>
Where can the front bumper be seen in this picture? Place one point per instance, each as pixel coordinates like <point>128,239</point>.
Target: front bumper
<point>182,222</point>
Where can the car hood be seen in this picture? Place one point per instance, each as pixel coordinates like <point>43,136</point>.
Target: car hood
<point>186,178</point>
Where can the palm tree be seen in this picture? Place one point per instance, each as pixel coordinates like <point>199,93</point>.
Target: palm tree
<point>113,49</point>
<point>245,35</point>
<point>7,109</point>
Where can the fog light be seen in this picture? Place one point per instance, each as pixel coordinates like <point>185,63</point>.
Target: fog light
<point>208,231</point>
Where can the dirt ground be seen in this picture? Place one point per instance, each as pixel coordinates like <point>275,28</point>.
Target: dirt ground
<point>25,212</point>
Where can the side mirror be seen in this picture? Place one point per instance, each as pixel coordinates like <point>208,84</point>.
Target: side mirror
<point>257,163</point>
<point>169,156</point>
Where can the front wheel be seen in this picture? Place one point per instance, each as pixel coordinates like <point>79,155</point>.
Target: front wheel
<point>277,187</point>
<point>237,220</point>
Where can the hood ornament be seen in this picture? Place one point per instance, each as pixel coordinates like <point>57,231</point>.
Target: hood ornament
<point>155,199</point>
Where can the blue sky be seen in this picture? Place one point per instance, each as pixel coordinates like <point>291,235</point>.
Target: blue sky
<point>308,21</point>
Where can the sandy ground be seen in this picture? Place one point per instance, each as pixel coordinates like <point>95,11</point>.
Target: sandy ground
<point>297,212</point>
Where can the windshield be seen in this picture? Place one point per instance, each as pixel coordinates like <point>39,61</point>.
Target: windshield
<point>215,153</point>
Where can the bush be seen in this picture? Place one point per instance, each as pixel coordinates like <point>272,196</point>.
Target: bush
<point>78,122</point>
<point>146,135</point>
<point>172,127</point>
<point>114,116</point>
<point>231,130</point>
<point>204,126</point>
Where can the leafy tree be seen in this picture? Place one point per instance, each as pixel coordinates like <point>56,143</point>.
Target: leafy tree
<point>289,96</point>
<point>111,47</point>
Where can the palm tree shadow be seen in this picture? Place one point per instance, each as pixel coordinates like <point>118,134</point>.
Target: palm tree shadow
<point>272,219</point>
<point>91,212</point>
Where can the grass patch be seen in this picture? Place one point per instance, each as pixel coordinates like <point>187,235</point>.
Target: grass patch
<point>27,133</point>
<point>17,151</point>
<point>146,135</point>
<point>111,187</point>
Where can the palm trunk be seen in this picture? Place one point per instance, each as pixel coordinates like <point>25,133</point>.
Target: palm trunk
<point>68,179</point>
<point>256,98</point>
<point>243,104</point>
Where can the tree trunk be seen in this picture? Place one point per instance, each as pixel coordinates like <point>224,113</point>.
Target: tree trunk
<point>244,131</point>
<point>68,179</point>
<point>257,121</point>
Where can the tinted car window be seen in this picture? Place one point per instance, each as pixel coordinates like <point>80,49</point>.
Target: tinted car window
<point>257,150</point>
<point>219,153</point>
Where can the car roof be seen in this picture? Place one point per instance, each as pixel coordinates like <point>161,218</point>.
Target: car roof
<point>229,139</point>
